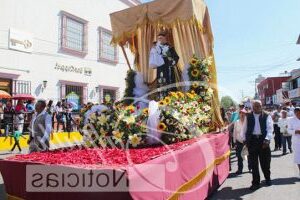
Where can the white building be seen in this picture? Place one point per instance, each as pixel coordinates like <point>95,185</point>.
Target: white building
<point>58,49</point>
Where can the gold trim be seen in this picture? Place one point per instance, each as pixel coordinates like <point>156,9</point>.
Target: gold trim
<point>194,181</point>
<point>11,197</point>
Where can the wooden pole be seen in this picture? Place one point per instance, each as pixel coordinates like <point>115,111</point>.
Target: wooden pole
<point>126,57</point>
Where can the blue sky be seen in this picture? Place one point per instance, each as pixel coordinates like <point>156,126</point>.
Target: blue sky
<point>251,38</point>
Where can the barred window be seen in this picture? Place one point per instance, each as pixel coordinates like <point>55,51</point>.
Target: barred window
<point>73,34</point>
<point>74,31</point>
<point>107,52</point>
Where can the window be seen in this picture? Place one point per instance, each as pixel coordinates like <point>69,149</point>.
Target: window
<point>108,94</point>
<point>73,34</point>
<point>298,82</point>
<point>294,84</point>
<point>107,52</point>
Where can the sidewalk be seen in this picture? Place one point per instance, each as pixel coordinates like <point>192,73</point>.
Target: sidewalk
<point>285,184</point>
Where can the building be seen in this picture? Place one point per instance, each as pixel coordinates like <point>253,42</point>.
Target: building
<point>58,49</point>
<point>294,86</point>
<point>267,90</point>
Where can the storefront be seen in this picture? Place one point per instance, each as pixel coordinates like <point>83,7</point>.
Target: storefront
<point>74,92</point>
<point>10,84</point>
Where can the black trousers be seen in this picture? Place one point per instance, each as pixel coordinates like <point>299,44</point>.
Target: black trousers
<point>277,137</point>
<point>257,155</point>
<point>286,139</point>
<point>17,144</point>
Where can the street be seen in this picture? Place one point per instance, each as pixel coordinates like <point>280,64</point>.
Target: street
<point>285,184</point>
<point>283,174</point>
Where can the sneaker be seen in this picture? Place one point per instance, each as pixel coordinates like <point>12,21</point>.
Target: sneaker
<point>254,187</point>
<point>291,151</point>
<point>284,153</point>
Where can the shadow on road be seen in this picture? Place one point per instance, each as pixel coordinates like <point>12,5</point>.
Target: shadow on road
<point>2,192</point>
<point>285,181</point>
<point>228,193</point>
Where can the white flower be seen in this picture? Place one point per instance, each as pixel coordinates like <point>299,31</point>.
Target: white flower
<point>117,136</point>
<point>129,120</point>
<point>135,140</point>
<point>102,119</point>
<point>93,116</point>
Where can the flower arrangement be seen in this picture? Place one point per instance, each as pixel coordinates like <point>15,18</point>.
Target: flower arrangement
<point>183,116</point>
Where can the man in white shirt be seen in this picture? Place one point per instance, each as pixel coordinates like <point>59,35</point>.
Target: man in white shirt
<point>258,132</point>
<point>286,137</point>
<point>41,127</point>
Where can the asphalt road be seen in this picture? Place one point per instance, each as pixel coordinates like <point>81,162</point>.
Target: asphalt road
<point>286,185</point>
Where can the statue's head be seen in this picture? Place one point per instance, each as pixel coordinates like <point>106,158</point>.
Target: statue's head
<point>162,37</point>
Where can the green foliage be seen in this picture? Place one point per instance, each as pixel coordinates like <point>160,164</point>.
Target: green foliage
<point>227,102</point>
<point>130,85</point>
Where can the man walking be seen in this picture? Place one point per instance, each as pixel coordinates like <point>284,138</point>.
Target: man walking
<point>258,130</point>
<point>286,137</point>
<point>41,127</point>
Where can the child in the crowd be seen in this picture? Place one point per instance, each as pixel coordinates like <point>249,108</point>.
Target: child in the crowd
<point>16,135</point>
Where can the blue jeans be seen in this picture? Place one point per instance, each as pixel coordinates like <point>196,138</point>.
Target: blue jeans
<point>286,139</point>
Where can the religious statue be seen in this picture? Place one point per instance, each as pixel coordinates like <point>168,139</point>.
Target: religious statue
<point>164,58</point>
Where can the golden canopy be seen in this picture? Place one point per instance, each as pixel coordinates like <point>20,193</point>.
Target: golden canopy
<point>188,24</point>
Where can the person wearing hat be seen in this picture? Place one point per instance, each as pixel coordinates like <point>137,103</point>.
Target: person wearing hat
<point>238,140</point>
<point>165,66</point>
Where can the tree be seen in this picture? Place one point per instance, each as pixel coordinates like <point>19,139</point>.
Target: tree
<point>227,102</point>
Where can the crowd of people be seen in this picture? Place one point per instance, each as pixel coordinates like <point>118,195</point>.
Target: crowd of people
<point>251,129</point>
<point>15,120</point>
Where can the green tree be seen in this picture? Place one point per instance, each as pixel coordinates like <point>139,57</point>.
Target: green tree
<point>227,102</point>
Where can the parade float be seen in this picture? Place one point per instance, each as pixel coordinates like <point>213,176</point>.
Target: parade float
<point>168,147</point>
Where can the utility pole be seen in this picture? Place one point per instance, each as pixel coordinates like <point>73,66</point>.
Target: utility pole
<point>298,43</point>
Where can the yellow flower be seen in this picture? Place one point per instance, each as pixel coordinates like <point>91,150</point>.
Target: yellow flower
<point>162,103</point>
<point>195,72</point>
<point>167,100</point>
<point>174,94</point>
<point>117,135</point>
<point>130,108</point>
<point>195,85</point>
<point>189,95</point>
<point>162,126</point>
<point>193,92</point>
<point>180,94</point>
<point>146,111</point>
<point>129,120</point>
<point>135,140</point>
<point>193,61</point>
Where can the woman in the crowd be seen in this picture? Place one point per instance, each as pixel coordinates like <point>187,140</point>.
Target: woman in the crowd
<point>20,115</point>
<point>286,137</point>
<point>60,117</point>
<point>294,129</point>
<point>8,117</point>
<point>238,140</point>
<point>50,109</point>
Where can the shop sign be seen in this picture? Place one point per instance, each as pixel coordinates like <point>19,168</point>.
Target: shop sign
<point>294,93</point>
<point>72,69</point>
<point>20,40</point>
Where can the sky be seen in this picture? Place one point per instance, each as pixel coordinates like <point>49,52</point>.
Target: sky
<point>251,38</point>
